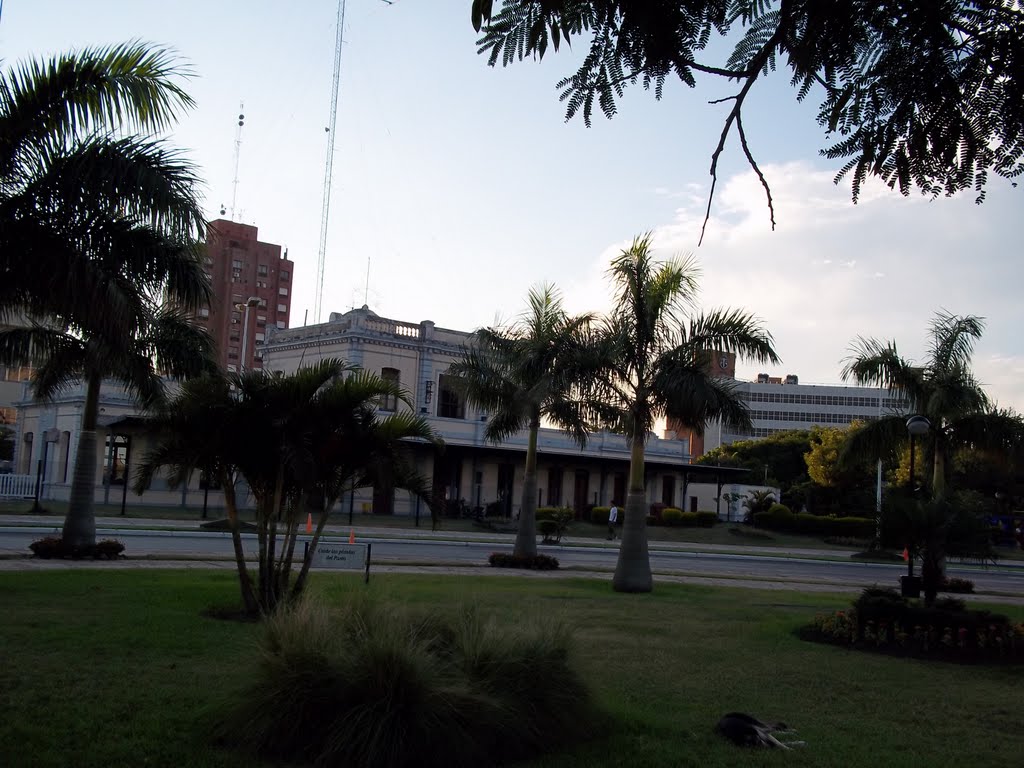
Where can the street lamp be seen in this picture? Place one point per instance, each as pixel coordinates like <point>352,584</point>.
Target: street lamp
<point>916,426</point>
<point>252,301</point>
<point>51,435</point>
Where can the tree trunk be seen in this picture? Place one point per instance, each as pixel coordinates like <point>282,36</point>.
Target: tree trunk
<point>80,522</point>
<point>231,508</point>
<point>939,472</point>
<point>526,535</point>
<point>633,570</point>
<point>300,582</point>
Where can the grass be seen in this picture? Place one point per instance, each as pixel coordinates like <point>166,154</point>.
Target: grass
<point>110,668</point>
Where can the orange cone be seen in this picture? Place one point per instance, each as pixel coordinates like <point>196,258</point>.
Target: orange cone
<point>309,522</point>
<point>352,536</point>
<point>906,555</point>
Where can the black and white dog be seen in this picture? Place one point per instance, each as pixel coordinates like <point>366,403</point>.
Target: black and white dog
<point>747,731</point>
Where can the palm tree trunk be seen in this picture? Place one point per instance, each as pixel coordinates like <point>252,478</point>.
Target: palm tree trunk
<point>526,535</point>
<point>80,522</point>
<point>633,570</point>
<point>939,472</point>
<point>300,582</point>
<point>231,508</point>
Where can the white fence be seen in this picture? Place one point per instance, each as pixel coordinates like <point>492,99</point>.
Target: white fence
<point>17,486</point>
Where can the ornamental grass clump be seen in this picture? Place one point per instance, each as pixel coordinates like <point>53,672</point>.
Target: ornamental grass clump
<point>378,685</point>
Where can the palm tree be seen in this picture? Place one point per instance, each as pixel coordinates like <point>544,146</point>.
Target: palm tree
<point>657,365</point>
<point>97,234</point>
<point>944,390</point>
<point>299,441</point>
<point>525,374</point>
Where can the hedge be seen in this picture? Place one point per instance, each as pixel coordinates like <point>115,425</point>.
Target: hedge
<point>599,515</point>
<point>814,525</point>
<point>706,519</point>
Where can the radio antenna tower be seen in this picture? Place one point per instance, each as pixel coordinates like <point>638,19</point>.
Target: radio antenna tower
<point>329,165</point>
<point>238,154</point>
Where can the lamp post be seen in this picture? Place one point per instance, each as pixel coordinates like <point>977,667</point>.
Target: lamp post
<point>252,301</point>
<point>49,436</point>
<point>916,426</point>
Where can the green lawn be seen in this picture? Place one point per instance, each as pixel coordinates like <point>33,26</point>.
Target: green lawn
<point>112,668</point>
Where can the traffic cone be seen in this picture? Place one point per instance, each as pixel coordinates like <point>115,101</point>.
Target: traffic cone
<point>352,536</point>
<point>906,555</point>
<point>309,522</point>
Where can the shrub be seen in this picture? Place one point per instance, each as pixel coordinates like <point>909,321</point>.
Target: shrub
<point>555,524</point>
<point>657,508</point>
<point>959,586</point>
<point>547,513</point>
<point>599,515</point>
<point>377,685</point>
<point>779,518</point>
<point>706,518</point>
<point>688,519</point>
<point>532,562</point>
<point>673,516</point>
<point>881,619</point>
<point>652,520</point>
<point>53,547</point>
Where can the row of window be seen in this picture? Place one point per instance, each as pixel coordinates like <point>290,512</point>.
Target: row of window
<point>261,269</point>
<point>847,400</point>
<point>810,418</point>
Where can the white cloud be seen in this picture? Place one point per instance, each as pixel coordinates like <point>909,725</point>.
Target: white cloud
<point>902,259</point>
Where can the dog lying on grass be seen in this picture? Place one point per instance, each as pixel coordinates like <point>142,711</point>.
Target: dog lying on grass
<point>747,731</point>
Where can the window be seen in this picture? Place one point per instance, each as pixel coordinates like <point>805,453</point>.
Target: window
<point>260,336</point>
<point>204,312</point>
<point>282,291</point>
<point>263,303</point>
<point>232,356</point>
<point>449,404</point>
<point>554,487</point>
<point>281,324</point>
<point>236,264</point>
<point>282,307</point>
<point>285,275</point>
<point>261,321</point>
<point>392,376</point>
<point>262,270</point>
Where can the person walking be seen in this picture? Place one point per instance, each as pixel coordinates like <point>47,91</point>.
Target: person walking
<point>613,518</point>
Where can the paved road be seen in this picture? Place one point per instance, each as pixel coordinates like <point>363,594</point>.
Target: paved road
<point>172,543</point>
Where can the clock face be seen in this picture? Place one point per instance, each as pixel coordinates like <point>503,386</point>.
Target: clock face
<point>723,362</point>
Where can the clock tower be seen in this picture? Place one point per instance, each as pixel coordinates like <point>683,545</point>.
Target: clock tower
<point>720,365</point>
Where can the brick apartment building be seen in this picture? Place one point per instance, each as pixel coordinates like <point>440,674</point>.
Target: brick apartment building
<point>243,271</point>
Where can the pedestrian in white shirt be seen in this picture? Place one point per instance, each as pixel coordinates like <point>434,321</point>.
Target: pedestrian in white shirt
<point>613,518</point>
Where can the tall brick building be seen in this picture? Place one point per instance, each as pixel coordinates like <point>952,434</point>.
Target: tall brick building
<point>243,268</point>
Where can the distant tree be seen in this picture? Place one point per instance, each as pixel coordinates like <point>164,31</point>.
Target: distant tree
<point>782,454</point>
<point>525,374</point>
<point>945,391</point>
<point>926,95</point>
<point>655,364</point>
<point>757,501</point>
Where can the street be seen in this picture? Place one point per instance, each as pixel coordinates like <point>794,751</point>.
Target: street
<point>1009,580</point>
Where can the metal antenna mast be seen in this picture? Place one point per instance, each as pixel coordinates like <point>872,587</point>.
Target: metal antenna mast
<point>238,153</point>
<point>329,166</point>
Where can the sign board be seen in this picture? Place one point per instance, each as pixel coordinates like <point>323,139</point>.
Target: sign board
<point>330,554</point>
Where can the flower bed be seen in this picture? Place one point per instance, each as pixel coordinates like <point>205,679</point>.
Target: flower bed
<point>880,620</point>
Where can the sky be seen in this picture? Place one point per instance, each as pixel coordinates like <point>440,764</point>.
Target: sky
<point>457,187</point>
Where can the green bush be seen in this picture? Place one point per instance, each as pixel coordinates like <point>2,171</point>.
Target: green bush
<point>688,519</point>
<point>53,547</point>
<point>532,562</point>
<point>653,520</point>
<point>672,516</point>
<point>376,685</point>
<point>706,519</point>
<point>599,515</point>
<point>881,619</point>
<point>548,513</point>
<point>960,586</point>
<point>779,518</point>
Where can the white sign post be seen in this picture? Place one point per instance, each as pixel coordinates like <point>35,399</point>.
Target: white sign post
<point>331,554</point>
